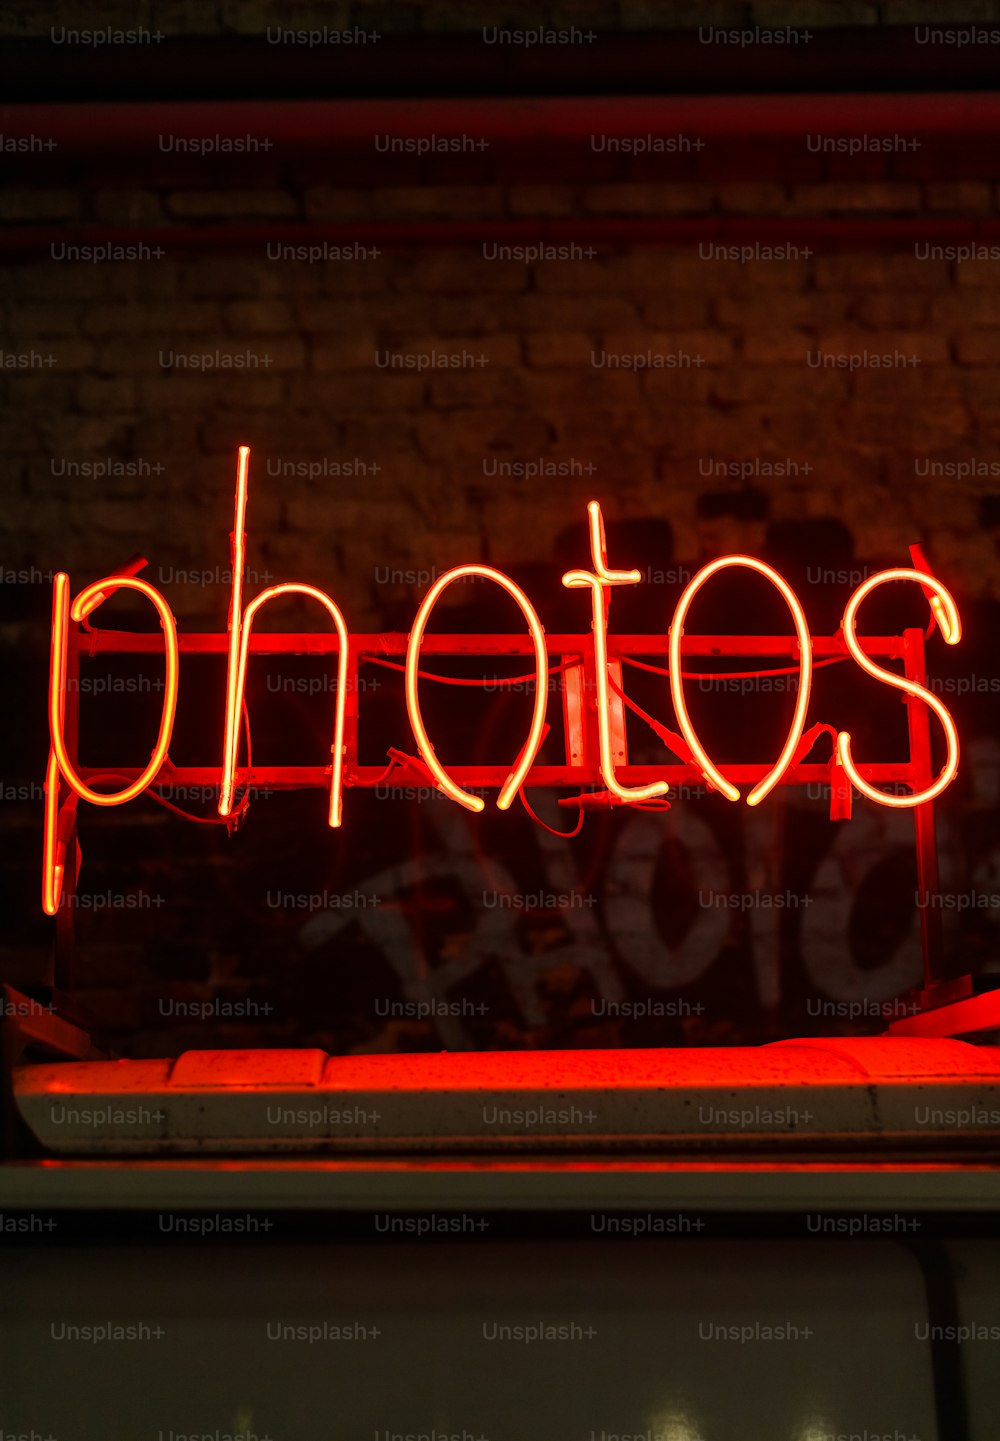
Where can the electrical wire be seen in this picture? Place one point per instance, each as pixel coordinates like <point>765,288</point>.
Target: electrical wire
<point>563,835</point>
<point>665,734</point>
<point>463,680</point>
<point>731,674</point>
<point>179,810</point>
<point>387,772</point>
<point>162,801</point>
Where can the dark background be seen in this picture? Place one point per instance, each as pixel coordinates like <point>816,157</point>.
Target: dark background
<point>363,477</point>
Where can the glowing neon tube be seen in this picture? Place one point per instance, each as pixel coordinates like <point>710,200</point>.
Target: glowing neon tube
<point>52,870</point>
<point>711,773</point>
<point>951,629</point>
<point>597,581</point>
<point>933,600</point>
<point>515,780</point>
<point>57,682</point>
<point>132,568</point>
<point>337,749</point>
<point>238,558</point>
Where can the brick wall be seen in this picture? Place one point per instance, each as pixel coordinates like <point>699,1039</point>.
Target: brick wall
<point>518,358</point>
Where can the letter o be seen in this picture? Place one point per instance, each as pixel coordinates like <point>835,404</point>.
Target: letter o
<point>712,775</point>
<point>515,780</point>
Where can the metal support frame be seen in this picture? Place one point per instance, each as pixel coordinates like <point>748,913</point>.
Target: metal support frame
<point>580,763</point>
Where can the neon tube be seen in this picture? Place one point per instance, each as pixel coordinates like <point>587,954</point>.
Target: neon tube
<point>337,749</point>
<point>601,578</point>
<point>52,870</point>
<point>133,568</point>
<point>238,556</point>
<point>57,682</point>
<point>599,551</point>
<point>711,773</point>
<point>515,780</point>
<point>951,629</point>
<point>933,600</point>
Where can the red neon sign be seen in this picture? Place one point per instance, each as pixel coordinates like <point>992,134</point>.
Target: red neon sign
<point>595,738</point>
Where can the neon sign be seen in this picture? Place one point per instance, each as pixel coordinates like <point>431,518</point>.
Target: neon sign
<point>590,670</point>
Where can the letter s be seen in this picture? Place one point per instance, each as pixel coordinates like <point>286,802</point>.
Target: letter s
<point>948,620</point>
